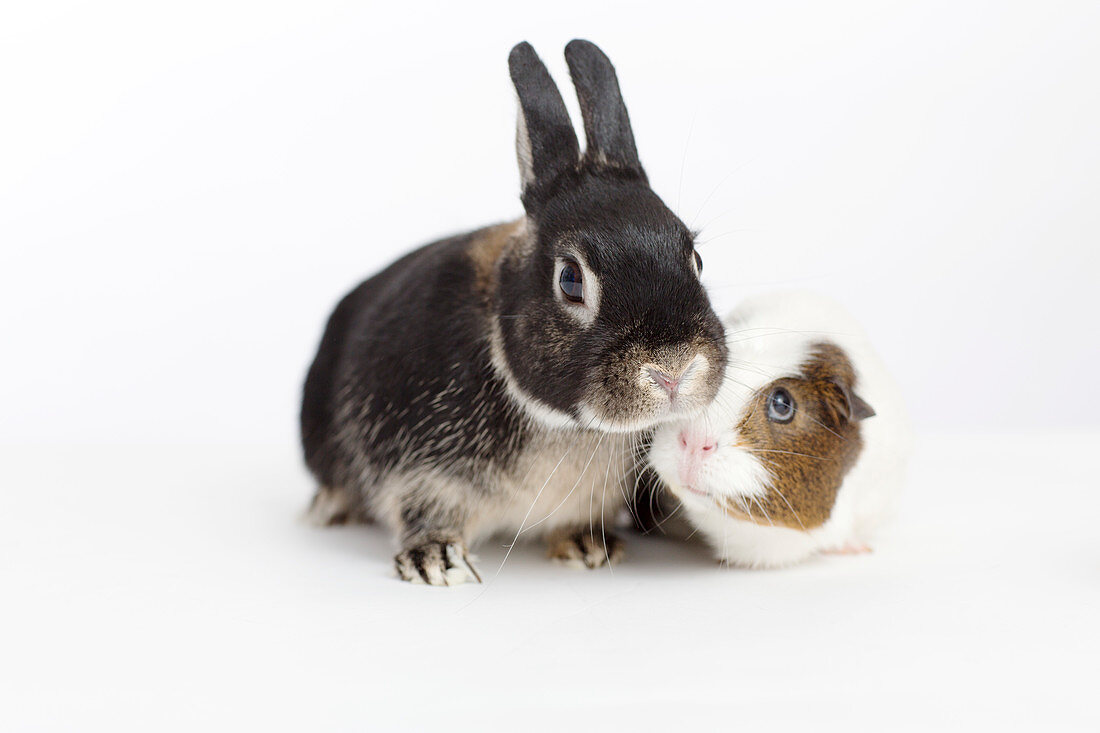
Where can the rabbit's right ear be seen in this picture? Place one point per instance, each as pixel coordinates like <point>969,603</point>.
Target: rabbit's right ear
<point>606,123</point>
<point>546,143</point>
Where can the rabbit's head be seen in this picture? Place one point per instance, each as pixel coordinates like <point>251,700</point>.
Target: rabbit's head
<point>600,320</point>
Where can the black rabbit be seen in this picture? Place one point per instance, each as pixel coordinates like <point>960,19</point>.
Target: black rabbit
<point>499,380</point>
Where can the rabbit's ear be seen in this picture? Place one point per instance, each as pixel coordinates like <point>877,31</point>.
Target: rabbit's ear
<point>606,123</point>
<point>546,143</point>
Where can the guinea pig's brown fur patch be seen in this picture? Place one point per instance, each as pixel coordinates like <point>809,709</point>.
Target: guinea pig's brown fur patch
<point>809,456</point>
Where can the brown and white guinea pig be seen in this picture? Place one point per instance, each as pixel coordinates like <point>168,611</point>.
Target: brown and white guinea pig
<point>804,448</point>
<point>496,381</point>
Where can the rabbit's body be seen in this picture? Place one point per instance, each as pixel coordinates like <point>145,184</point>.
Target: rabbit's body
<point>363,399</point>
<point>497,381</point>
<point>435,441</point>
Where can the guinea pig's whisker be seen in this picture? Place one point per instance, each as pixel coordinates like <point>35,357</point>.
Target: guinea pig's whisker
<point>783,331</point>
<point>771,330</point>
<point>745,506</point>
<point>751,368</point>
<point>764,510</point>
<point>723,401</point>
<point>826,427</point>
<point>660,525</point>
<point>653,505</point>
<point>629,504</point>
<point>638,476</point>
<point>725,544</point>
<point>641,462</point>
<point>797,518</point>
<point>786,452</point>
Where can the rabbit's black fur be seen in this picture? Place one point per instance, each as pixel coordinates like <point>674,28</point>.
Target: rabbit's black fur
<point>458,393</point>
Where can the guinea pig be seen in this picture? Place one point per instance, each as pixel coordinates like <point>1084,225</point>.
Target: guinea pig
<point>803,450</point>
<point>495,381</point>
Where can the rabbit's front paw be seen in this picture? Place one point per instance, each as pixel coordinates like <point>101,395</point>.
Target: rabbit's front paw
<point>436,563</point>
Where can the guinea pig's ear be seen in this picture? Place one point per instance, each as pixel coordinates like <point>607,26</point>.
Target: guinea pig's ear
<point>546,143</point>
<point>860,409</point>
<point>606,123</point>
<point>852,407</point>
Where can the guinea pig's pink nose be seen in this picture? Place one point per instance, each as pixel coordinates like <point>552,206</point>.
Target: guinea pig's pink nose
<point>697,443</point>
<point>695,446</point>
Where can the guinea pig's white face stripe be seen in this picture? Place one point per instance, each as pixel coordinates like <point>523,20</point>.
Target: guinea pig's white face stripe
<point>759,355</point>
<point>728,471</point>
<point>735,473</point>
<point>583,312</point>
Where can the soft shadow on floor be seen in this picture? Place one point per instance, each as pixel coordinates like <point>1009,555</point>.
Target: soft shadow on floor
<point>654,554</point>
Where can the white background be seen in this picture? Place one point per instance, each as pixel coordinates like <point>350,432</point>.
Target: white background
<point>187,189</point>
<point>185,192</point>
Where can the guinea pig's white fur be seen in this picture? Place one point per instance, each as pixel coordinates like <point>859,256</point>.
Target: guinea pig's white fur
<point>769,337</point>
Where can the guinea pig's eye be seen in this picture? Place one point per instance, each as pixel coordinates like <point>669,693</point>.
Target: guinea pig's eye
<point>698,262</point>
<point>571,282</point>
<point>781,406</point>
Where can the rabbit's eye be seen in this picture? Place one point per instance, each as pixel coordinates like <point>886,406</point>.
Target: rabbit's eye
<point>571,282</point>
<point>698,262</point>
<point>781,407</point>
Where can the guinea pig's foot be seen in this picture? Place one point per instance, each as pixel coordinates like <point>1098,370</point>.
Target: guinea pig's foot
<point>436,563</point>
<point>586,548</point>
<point>848,548</point>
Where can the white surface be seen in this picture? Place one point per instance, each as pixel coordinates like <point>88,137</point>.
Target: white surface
<point>158,589</point>
<point>186,189</point>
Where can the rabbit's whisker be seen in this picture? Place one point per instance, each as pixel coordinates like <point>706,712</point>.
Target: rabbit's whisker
<point>575,485</point>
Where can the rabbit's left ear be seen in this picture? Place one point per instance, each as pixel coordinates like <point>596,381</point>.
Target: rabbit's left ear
<point>546,144</point>
<point>606,123</point>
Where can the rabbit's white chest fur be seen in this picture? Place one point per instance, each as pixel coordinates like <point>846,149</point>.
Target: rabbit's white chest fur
<point>562,479</point>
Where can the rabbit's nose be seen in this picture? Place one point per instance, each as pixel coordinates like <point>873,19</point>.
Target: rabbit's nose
<point>664,380</point>
<point>680,375</point>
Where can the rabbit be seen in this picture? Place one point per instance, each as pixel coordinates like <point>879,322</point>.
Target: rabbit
<point>804,449</point>
<point>498,381</point>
